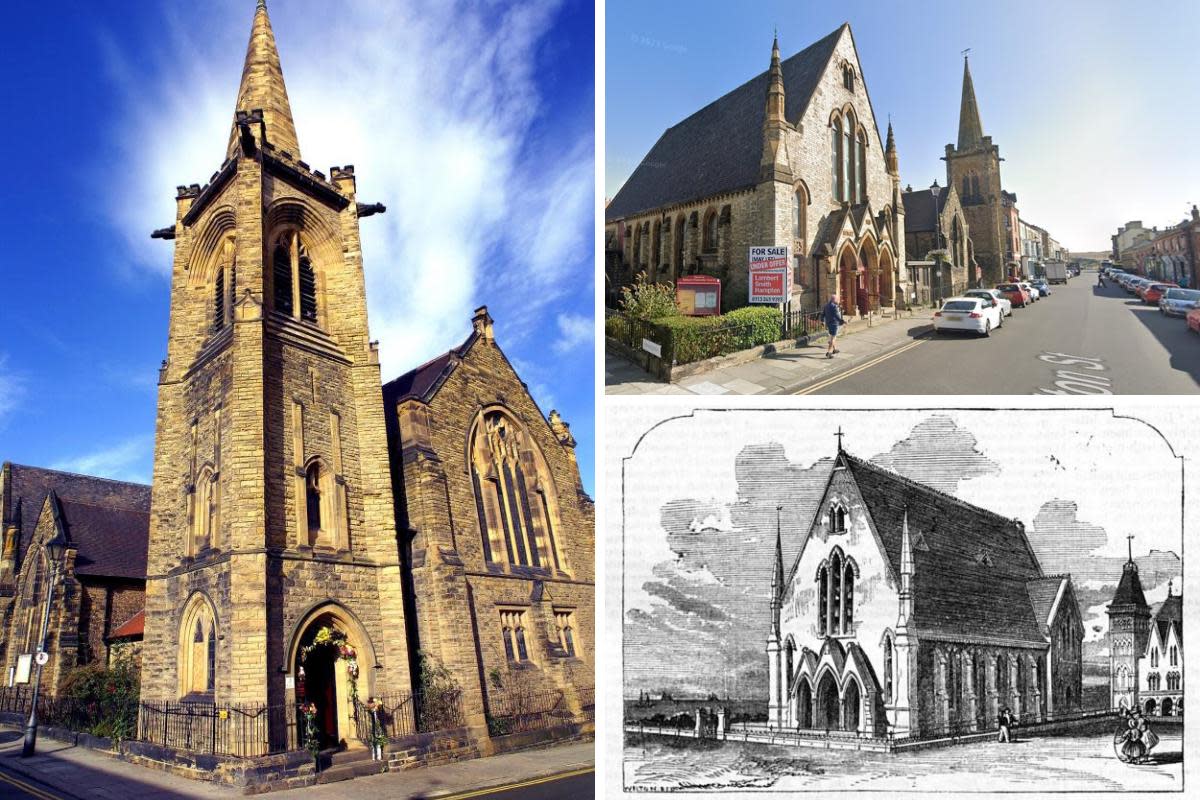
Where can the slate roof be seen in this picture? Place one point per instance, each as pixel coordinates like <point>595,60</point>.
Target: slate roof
<point>1042,594</point>
<point>29,486</point>
<point>919,215</point>
<point>971,579</point>
<point>1129,590</point>
<point>424,381</point>
<point>1170,615</point>
<point>718,148</point>
<point>110,541</point>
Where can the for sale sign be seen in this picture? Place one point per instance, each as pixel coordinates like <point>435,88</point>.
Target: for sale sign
<point>770,274</point>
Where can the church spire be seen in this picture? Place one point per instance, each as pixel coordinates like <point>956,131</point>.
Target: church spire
<point>775,93</point>
<point>970,129</point>
<point>889,153</point>
<point>262,87</point>
<point>777,579</point>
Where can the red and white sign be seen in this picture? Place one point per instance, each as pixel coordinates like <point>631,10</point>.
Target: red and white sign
<point>770,274</point>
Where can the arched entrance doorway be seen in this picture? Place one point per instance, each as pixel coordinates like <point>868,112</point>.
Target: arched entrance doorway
<point>804,705</point>
<point>886,286</point>
<point>1150,706</point>
<point>329,655</point>
<point>868,278</point>
<point>828,710</point>
<point>847,267</point>
<point>1167,707</point>
<point>851,706</point>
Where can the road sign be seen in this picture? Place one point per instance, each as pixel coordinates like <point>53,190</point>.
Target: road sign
<point>41,658</point>
<point>770,274</point>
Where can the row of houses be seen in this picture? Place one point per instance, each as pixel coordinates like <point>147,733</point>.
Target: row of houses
<point>1171,254</point>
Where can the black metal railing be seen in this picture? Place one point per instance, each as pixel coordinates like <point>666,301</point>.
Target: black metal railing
<point>111,718</point>
<point>226,729</point>
<point>517,712</point>
<point>587,703</point>
<point>402,714</point>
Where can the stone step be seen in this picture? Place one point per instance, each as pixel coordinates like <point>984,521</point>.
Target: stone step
<point>351,769</point>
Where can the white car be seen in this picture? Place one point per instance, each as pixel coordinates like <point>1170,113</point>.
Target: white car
<point>971,314</point>
<point>984,294</point>
<point>1034,294</point>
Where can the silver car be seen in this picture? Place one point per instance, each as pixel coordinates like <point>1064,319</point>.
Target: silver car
<point>1178,302</point>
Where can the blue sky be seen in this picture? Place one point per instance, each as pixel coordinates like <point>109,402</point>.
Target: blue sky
<point>473,125</point>
<point>1090,101</point>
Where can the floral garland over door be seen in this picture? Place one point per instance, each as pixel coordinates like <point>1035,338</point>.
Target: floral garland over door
<point>328,637</point>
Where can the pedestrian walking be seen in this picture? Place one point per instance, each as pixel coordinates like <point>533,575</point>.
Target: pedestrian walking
<point>1005,722</point>
<point>832,316</point>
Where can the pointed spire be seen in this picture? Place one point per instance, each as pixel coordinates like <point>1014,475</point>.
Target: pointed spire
<point>775,92</point>
<point>970,129</point>
<point>906,573</point>
<point>777,580</point>
<point>262,87</point>
<point>889,153</point>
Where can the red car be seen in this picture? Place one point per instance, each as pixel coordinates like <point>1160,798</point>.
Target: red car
<point>1153,292</point>
<point>1193,320</point>
<point>1015,294</point>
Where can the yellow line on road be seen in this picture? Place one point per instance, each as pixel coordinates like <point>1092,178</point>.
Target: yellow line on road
<point>816,387</point>
<point>521,785</point>
<point>28,789</point>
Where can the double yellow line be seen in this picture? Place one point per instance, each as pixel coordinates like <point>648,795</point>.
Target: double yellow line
<point>509,787</point>
<point>816,387</point>
<point>28,788</point>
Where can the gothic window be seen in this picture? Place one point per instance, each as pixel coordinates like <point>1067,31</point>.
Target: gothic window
<point>224,287</point>
<point>848,77</point>
<point>837,519</point>
<point>198,651</point>
<point>294,279</point>
<point>861,192</point>
<point>205,512</point>
<point>219,299</point>
<point>849,159</point>
<point>822,600</point>
<point>1154,657</point>
<point>835,594</point>
<point>512,626</point>
<point>564,621</point>
<point>312,500</point>
<point>848,599</point>
<point>710,231</point>
<point>1174,656</point>
<point>966,189</point>
<point>889,665</point>
<point>975,186</point>
<point>515,499</point>
<point>656,251</point>
<point>836,152</point>
<point>789,653</point>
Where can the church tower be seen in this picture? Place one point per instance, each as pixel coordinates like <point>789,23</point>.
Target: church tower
<point>272,512</point>
<point>1128,631</point>
<point>776,191</point>
<point>974,168</point>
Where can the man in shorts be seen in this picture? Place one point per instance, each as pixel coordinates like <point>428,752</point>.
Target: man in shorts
<point>832,316</point>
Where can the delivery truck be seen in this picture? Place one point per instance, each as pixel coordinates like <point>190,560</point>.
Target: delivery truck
<point>1056,271</point>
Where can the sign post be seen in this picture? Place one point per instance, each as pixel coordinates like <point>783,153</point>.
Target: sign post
<point>770,274</point>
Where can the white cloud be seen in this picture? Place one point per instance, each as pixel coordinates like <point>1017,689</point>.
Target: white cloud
<point>574,330</point>
<point>126,460</point>
<point>12,388</point>
<point>432,102</point>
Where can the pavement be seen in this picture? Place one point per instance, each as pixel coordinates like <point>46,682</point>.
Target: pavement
<point>783,372</point>
<point>61,770</point>
<point>1080,340</point>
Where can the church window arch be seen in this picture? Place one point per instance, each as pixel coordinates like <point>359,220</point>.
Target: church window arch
<point>837,518</point>
<point>198,650</point>
<point>1154,657</point>
<point>861,166</point>
<point>889,667</point>
<point>836,154</point>
<point>835,593</point>
<point>799,231</point>
<point>975,187</point>
<point>822,600</point>
<point>1174,653</point>
<point>851,158</point>
<point>325,520</point>
<point>789,650</point>
<point>516,501</point>
<point>205,512</point>
<point>656,260</point>
<point>710,231</point>
<point>224,288</point>
<point>848,77</point>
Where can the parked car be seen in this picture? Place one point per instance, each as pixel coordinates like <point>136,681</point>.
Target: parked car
<point>1179,302</point>
<point>995,296</point>
<point>1132,285</point>
<point>1034,294</point>
<point>1015,294</point>
<point>1153,292</point>
<point>1043,287</point>
<point>1193,320</point>
<point>971,314</point>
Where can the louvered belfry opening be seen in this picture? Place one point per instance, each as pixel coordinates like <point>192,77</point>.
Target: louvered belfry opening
<point>308,287</point>
<point>219,299</point>
<point>282,275</point>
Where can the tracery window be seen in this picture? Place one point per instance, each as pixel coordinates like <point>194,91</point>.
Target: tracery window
<point>835,595</point>
<point>837,518</point>
<point>1154,657</point>
<point>836,152</point>
<point>848,159</point>
<point>515,496</point>
<point>848,77</point>
<point>198,650</point>
<point>564,621</point>
<point>293,278</point>
<point>851,158</point>
<point>512,627</point>
<point>1174,656</point>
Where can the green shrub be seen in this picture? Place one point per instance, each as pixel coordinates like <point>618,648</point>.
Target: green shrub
<point>645,300</point>
<point>691,339</point>
<point>102,701</point>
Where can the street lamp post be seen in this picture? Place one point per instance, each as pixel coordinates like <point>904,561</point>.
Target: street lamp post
<point>55,548</point>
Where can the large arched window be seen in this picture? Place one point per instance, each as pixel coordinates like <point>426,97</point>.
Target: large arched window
<point>789,653</point>
<point>293,278</point>
<point>861,170</point>
<point>515,498</point>
<point>835,595</point>
<point>851,159</point>
<point>312,499</point>
<point>836,152</point>
<point>224,287</point>
<point>799,232</point>
<point>889,665</point>
<point>198,651</point>
<point>822,600</point>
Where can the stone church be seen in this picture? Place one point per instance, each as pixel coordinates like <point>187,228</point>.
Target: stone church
<point>1145,648</point>
<point>793,158</point>
<point>437,521</point>
<point>910,613</point>
<point>973,168</point>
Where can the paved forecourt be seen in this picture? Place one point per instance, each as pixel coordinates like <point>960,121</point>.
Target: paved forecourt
<point>1080,340</point>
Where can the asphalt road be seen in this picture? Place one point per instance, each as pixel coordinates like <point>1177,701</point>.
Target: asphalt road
<point>1080,340</point>
<point>569,787</point>
<point>16,787</point>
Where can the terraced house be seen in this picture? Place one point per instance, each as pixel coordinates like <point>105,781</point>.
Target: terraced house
<point>792,158</point>
<point>314,538</point>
